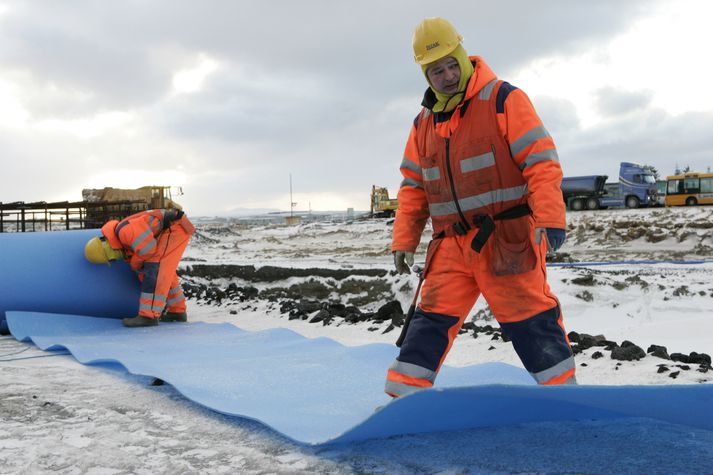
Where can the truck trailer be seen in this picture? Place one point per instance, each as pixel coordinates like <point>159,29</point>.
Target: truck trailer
<point>636,187</point>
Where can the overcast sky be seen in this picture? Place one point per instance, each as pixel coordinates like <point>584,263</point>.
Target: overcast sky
<point>228,98</point>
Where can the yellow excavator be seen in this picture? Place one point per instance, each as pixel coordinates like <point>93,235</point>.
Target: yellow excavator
<point>381,205</point>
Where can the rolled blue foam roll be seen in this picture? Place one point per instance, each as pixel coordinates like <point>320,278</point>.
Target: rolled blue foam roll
<point>47,272</point>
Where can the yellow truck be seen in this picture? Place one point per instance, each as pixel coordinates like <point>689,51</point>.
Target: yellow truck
<point>381,205</point>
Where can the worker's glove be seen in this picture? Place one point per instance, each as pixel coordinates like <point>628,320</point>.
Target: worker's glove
<point>555,237</point>
<point>403,260</point>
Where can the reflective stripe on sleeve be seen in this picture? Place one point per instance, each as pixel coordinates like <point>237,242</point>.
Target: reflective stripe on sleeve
<point>151,244</point>
<point>410,165</point>
<point>410,182</point>
<point>141,237</point>
<point>538,157</point>
<point>529,138</point>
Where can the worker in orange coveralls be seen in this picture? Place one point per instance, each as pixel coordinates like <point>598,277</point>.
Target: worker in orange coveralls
<point>481,165</point>
<point>152,242</point>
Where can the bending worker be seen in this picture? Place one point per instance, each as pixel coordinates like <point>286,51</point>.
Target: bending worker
<point>482,166</point>
<point>152,242</point>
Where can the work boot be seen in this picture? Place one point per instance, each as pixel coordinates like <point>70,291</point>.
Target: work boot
<point>174,317</point>
<point>140,321</point>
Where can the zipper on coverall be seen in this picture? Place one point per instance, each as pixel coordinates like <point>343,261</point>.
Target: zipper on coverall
<point>453,186</point>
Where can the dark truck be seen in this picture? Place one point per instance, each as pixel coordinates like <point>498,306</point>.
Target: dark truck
<point>636,187</point>
<point>583,192</point>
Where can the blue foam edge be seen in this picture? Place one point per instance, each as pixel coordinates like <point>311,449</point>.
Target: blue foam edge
<point>318,391</point>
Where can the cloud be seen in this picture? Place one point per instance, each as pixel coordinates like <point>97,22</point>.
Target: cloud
<point>652,137</point>
<point>234,97</point>
<point>612,102</point>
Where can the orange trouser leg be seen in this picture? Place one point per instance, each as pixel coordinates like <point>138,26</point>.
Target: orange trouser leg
<point>448,294</point>
<point>176,302</point>
<point>160,272</point>
<point>529,315</point>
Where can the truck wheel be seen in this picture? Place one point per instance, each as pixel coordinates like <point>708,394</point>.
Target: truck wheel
<point>632,202</point>
<point>592,203</point>
<point>577,205</point>
<point>691,201</point>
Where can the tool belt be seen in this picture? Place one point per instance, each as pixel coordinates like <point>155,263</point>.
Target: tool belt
<point>486,224</point>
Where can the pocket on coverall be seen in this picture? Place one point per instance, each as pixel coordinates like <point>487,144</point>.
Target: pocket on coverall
<point>512,250</point>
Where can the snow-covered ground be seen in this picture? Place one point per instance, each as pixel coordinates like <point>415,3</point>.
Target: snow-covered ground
<point>61,417</point>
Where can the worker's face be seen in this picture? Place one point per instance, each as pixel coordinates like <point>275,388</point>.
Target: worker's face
<point>444,75</point>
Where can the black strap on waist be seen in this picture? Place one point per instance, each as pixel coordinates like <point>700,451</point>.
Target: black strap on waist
<point>487,224</point>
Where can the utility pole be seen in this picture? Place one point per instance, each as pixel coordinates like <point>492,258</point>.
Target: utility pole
<point>292,203</point>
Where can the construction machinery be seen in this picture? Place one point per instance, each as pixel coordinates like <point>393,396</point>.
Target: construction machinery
<point>98,207</point>
<point>381,205</point>
<point>104,204</point>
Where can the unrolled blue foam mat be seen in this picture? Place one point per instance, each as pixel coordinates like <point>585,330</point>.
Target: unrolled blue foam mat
<point>47,272</point>
<point>318,391</point>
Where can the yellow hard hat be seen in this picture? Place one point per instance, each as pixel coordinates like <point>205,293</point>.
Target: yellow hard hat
<point>98,251</point>
<point>434,38</point>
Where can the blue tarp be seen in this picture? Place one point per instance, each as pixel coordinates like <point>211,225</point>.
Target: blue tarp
<point>319,391</point>
<point>47,272</point>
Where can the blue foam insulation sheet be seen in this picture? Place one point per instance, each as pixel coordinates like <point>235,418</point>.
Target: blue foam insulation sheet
<point>311,390</point>
<point>47,272</point>
<point>319,391</point>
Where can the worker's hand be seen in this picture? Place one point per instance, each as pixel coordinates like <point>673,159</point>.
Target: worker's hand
<point>555,237</point>
<point>403,260</point>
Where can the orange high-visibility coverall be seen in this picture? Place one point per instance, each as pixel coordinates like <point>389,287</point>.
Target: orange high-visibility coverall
<point>153,242</point>
<point>490,159</point>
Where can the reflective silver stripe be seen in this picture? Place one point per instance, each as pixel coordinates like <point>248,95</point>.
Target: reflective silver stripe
<point>170,302</point>
<point>554,371</point>
<point>148,296</point>
<point>426,113</point>
<point>175,290</point>
<point>141,237</point>
<point>409,165</point>
<point>411,182</point>
<point>400,389</point>
<point>497,196</point>
<point>484,93</point>
<point>477,163</point>
<point>528,139</point>
<point>430,174</point>
<point>442,209</point>
<point>151,308</point>
<point>478,201</point>
<point>148,247</point>
<point>413,370</point>
<point>543,156</point>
